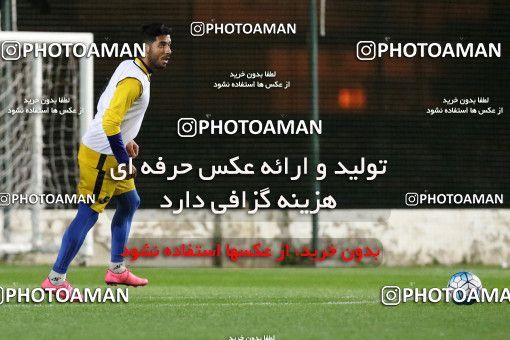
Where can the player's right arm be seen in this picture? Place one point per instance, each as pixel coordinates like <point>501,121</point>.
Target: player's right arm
<point>128,90</point>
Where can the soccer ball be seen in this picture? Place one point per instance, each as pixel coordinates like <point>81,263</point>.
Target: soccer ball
<point>466,281</point>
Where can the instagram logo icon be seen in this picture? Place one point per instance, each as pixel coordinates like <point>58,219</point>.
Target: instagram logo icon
<point>11,50</point>
<point>411,199</point>
<point>366,50</point>
<point>197,28</point>
<point>187,127</point>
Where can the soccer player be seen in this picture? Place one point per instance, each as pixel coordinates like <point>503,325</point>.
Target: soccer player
<point>107,143</point>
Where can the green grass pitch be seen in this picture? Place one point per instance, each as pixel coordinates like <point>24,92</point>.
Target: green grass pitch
<point>288,303</point>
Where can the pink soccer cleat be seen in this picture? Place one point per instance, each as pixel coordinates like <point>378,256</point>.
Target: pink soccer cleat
<point>126,278</point>
<point>47,285</point>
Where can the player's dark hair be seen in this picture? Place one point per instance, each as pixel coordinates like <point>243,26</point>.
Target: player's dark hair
<point>151,31</point>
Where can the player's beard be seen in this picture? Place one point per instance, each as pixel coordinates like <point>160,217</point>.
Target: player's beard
<point>154,61</point>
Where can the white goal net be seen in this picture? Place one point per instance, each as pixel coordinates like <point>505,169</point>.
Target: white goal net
<point>45,104</point>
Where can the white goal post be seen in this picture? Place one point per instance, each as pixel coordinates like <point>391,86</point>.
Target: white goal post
<point>38,150</point>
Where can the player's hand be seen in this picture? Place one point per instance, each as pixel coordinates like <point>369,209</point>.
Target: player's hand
<point>132,149</point>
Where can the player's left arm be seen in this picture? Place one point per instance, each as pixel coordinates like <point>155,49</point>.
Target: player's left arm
<point>128,90</point>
